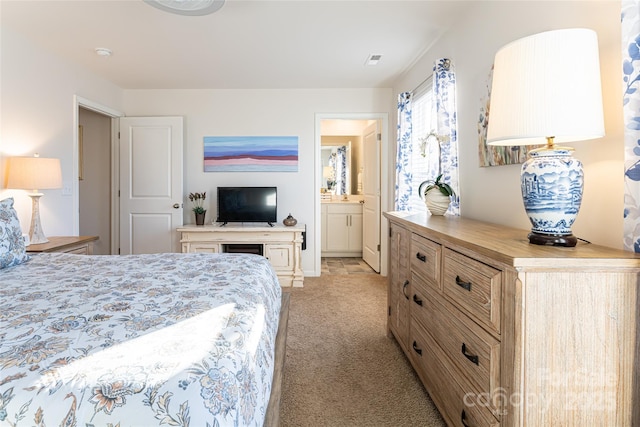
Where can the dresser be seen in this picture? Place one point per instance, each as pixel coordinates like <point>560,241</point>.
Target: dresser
<point>505,333</point>
<point>81,245</point>
<point>281,245</point>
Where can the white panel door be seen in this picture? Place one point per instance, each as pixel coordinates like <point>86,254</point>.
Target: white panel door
<point>371,191</point>
<point>150,184</point>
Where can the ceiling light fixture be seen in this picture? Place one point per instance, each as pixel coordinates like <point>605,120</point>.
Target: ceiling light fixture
<point>187,7</point>
<point>103,51</point>
<point>373,59</point>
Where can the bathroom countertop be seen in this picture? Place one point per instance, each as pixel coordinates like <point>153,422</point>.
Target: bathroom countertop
<point>340,201</point>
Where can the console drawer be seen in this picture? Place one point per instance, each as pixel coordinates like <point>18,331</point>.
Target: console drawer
<point>473,286</point>
<point>473,351</point>
<point>425,258</point>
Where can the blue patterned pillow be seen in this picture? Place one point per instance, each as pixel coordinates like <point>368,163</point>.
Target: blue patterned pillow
<point>12,249</point>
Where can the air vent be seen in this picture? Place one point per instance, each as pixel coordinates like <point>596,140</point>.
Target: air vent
<point>373,59</point>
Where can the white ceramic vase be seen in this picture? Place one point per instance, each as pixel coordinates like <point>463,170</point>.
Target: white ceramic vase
<point>436,202</point>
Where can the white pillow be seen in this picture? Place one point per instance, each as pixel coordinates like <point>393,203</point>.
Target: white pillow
<point>12,248</point>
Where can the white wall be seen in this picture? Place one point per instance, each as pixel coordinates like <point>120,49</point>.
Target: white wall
<point>37,92</point>
<point>493,194</point>
<point>289,112</point>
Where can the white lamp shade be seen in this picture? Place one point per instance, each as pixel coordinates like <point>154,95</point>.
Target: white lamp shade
<point>33,173</point>
<point>547,85</point>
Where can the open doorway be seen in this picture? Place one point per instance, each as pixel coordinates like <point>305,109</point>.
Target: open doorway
<point>94,178</point>
<point>341,176</point>
<point>95,169</point>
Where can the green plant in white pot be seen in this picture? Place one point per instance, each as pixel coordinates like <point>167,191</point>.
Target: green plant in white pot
<point>436,194</point>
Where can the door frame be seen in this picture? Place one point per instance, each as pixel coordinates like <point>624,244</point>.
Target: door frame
<point>80,102</point>
<point>385,178</point>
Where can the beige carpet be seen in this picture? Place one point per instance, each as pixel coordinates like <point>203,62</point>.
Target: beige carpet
<point>341,369</point>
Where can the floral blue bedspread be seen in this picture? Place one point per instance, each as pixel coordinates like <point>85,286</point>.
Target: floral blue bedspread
<point>137,340</point>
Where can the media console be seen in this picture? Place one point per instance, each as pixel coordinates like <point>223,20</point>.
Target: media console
<point>281,245</point>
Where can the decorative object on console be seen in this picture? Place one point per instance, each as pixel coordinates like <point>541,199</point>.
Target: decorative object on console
<point>251,154</point>
<point>198,209</point>
<point>34,173</point>
<point>546,89</point>
<point>437,195</point>
<point>289,221</point>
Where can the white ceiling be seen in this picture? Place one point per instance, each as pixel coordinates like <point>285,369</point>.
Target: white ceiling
<point>246,44</point>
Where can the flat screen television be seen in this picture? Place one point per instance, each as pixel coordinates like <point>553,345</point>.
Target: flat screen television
<point>247,204</point>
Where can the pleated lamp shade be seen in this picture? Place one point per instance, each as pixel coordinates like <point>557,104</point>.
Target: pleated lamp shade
<point>547,85</point>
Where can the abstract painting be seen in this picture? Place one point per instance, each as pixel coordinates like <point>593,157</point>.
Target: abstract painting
<point>496,155</point>
<point>250,153</point>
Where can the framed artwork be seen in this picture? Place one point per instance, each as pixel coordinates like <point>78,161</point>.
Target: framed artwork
<point>250,153</point>
<point>492,155</point>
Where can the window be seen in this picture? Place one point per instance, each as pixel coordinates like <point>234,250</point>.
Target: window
<point>417,122</point>
<point>423,122</point>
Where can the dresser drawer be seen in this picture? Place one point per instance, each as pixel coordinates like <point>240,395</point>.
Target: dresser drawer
<point>473,351</point>
<point>458,403</point>
<point>473,286</point>
<point>82,250</point>
<point>425,258</point>
<point>403,248</point>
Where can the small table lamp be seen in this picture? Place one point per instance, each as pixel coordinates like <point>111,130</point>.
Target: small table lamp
<point>34,173</point>
<point>546,89</point>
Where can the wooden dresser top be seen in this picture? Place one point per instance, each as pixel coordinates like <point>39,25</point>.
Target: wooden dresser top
<point>511,245</point>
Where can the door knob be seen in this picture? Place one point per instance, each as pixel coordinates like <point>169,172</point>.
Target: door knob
<point>176,206</point>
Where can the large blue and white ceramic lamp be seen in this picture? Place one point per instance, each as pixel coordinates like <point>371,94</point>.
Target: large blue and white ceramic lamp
<point>546,90</point>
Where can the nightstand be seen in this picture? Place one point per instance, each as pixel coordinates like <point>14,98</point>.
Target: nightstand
<point>82,245</point>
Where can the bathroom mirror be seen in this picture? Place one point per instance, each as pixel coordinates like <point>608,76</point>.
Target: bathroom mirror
<point>339,159</point>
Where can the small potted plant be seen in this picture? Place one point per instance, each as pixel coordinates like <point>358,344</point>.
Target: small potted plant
<point>198,209</point>
<point>436,194</point>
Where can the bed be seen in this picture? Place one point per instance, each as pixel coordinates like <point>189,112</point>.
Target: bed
<point>138,340</point>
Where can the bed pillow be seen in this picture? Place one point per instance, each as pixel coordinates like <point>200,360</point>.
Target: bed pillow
<point>12,248</point>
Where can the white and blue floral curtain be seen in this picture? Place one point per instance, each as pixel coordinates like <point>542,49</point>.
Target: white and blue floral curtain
<point>404,153</point>
<point>631,111</point>
<point>444,90</point>
<point>341,170</point>
<point>338,162</point>
<point>446,163</point>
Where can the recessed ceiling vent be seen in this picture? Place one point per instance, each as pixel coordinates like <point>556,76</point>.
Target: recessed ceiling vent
<point>187,7</point>
<point>373,59</point>
<point>103,51</point>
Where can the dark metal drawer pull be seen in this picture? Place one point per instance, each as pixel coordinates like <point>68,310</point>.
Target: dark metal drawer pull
<point>417,300</point>
<point>421,257</point>
<point>463,419</point>
<point>465,285</point>
<point>416,349</point>
<point>404,286</point>
<point>471,357</point>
